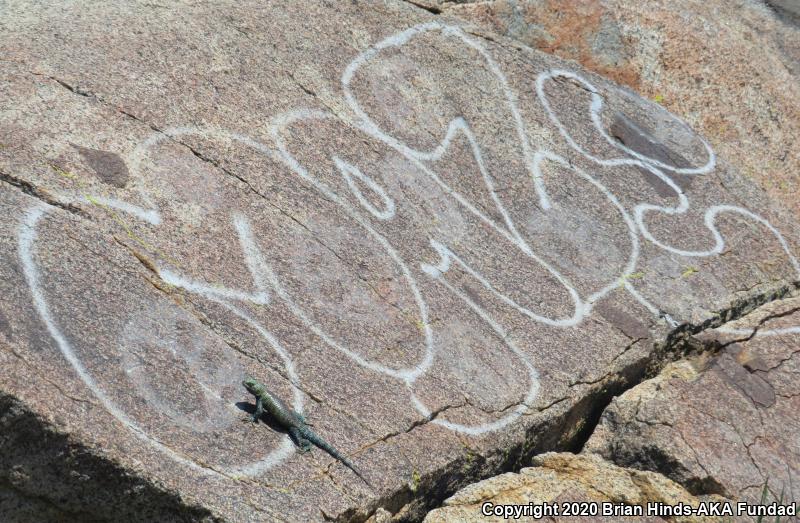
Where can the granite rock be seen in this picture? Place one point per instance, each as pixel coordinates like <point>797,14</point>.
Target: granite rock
<point>723,423</point>
<point>731,69</point>
<point>445,250</point>
<point>563,479</point>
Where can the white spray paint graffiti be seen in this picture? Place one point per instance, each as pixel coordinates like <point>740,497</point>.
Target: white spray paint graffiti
<point>267,286</point>
<point>654,166</point>
<point>26,239</point>
<point>164,329</point>
<point>351,171</point>
<point>150,216</point>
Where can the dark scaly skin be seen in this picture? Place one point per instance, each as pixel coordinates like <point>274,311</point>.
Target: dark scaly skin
<point>294,423</point>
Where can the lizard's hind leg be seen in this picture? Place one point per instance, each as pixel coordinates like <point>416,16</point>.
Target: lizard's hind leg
<point>302,443</point>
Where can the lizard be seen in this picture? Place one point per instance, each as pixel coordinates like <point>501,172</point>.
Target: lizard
<point>294,422</point>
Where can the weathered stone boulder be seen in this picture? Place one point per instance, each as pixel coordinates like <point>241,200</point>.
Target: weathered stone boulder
<point>444,250</point>
<point>724,424</point>
<point>730,69</point>
<point>562,480</point>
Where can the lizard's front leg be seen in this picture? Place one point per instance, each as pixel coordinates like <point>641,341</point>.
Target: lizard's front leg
<point>259,409</point>
<point>302,443</point>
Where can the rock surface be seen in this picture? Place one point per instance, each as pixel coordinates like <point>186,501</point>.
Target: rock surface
<point>731,69</point>
<point>48,477</point>
<point>722,424</point>
<point>556,478</point>
<point>424,238</point>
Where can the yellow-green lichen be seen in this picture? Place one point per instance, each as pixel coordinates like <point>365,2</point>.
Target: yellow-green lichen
<point>632,276</point>
<point>416,479</point>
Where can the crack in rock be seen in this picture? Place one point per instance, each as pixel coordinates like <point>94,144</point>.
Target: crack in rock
<point>40,194</point>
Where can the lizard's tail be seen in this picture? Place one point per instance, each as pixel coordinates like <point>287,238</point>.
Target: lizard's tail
<point>356,472</point>
<point>335,453</point>
<point>347,463</point>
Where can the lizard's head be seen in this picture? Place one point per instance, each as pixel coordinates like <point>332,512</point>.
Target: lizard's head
<point>253,386</point>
